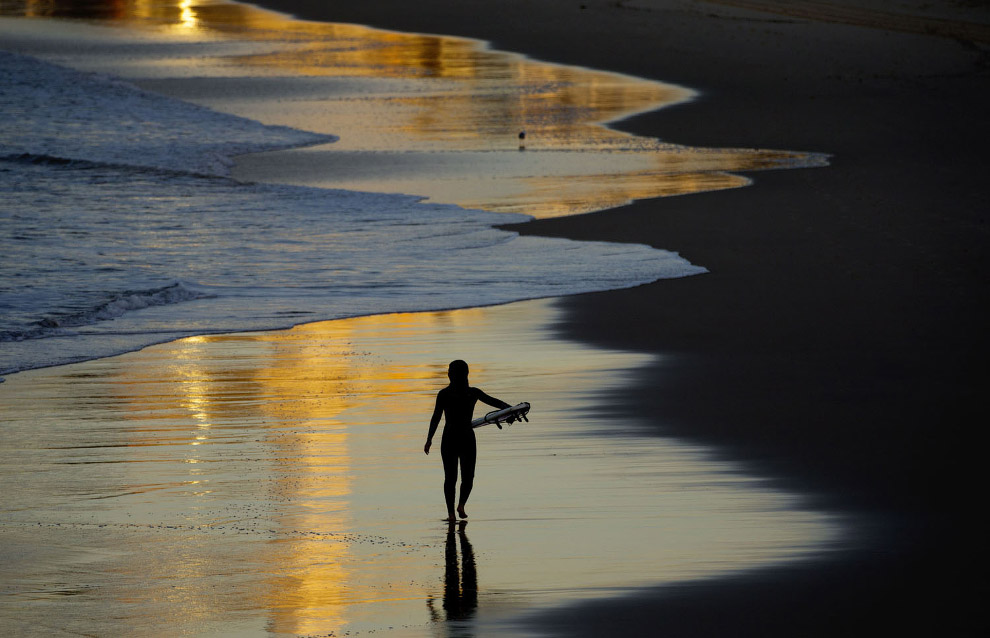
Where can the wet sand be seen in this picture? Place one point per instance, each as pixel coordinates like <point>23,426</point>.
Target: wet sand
<point>275,484</point>
<point>838,342</point>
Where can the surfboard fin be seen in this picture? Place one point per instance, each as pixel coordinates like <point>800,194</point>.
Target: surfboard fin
<point>509,415</point>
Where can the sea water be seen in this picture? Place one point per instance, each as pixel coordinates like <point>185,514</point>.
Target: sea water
<point>119,228</point>
<point>207,168</point>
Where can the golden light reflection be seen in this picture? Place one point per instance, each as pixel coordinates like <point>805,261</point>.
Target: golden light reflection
<point>443,94</point>
<point>672,174</point>
<point>477,97</point>
<point>303,479</point>
<point>187,16</point>
<point>308,510</point>
<point>490,93</point>
<point>292,393</point>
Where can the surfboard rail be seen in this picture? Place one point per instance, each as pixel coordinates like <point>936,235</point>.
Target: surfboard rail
<point>508,416</point>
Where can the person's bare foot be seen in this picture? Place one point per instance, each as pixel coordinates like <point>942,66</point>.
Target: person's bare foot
<point>460,510</point>
<point>451,518</point>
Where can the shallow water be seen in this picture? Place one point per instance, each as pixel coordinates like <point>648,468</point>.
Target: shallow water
<point>429,115</point>
<point>99,260</point>
<point>116,232</point>
<point>119,228</point>
<point>274,483</point>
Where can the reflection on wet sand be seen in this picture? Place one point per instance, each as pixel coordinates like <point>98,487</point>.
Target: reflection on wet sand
<point>477,93</point>
<point>421,114</point>
<point>460,585</point>
<point>275,484</point>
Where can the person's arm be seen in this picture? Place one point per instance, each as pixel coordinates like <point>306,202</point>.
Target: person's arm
<point>492,401</point>
<point>434,422</point>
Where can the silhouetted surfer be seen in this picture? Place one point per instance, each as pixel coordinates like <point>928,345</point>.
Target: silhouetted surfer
<point>456,403</point>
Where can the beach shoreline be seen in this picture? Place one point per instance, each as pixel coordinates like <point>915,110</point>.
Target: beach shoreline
<point>834,345</point>
<point>275,465</point>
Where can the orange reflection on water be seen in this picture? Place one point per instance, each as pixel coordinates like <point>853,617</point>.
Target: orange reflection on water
<point>206,408</point>
<point>168,12</point>
<point>664,175</point>
<point>283,406</point>
<point>391,93</point>
<point>488,95</point>
<point>310,508</point>
<point>478,97</point>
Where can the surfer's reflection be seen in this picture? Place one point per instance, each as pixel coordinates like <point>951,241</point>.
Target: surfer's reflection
<point>460,584</point>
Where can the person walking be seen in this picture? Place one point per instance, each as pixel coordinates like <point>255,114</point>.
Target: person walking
<point>458,445</point>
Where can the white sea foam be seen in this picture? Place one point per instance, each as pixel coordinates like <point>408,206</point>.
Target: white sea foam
<point>115,232</point>
<point>114,306</point>
<point>55,112</point>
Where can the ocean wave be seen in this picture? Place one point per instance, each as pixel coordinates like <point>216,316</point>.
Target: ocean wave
<point>108,188</point>
<point>55,112</point>
<point>264,254</point>
<point>31,159</point>
<point>115,306</point>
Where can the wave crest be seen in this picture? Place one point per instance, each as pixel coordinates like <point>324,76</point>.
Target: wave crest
<point>116,306</point>
<point>55,112</point>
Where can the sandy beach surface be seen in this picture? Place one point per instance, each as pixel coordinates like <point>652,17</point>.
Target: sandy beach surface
<point>810,398</point>
<point>838,342</point>
<point>274,484</point>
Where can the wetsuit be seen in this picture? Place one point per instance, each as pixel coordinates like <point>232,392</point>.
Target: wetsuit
<point>458,443</point>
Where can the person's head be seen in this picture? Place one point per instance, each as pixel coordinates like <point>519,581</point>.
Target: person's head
<point>457,372</point>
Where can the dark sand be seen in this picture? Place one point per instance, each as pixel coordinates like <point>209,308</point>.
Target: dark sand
<point>838,344</point>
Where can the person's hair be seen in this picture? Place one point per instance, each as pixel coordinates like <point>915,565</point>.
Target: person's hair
<point>457,371</point>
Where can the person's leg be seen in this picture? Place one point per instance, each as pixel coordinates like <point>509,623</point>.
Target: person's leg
<point>449,455</point>
<point>469,456</point>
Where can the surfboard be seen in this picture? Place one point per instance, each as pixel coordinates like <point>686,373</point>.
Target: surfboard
<point>505,415</point>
